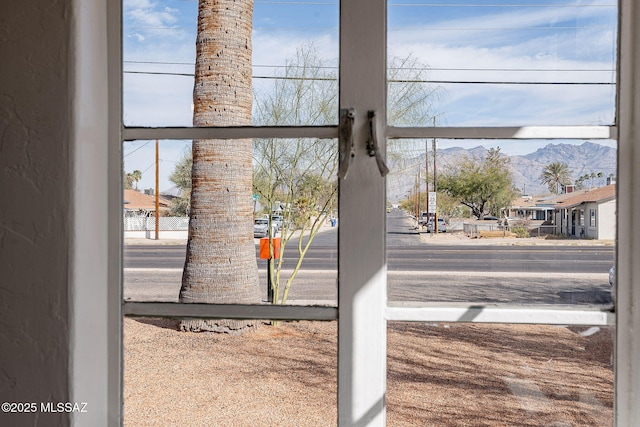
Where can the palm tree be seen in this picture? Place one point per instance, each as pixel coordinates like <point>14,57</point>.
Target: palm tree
<point>220,265</point>
<point>555,175</point>
<point>136,176</point>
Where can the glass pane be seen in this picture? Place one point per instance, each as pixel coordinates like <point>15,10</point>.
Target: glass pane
<point>285,56</point>
<point>501,64</point>
<point>290,200</point>
<point>497,375</point>
<point>518,222</point>
<point>279,375</point>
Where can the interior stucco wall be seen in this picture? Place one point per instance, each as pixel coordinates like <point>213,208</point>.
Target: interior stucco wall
<point>35,171</point>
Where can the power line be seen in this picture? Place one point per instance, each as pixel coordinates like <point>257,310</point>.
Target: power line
<point>158,62</point>
<point>478,82</point>
<point>568,70</point>
<point>155,28</point>
<point>445,4</point>
<point>149,167</point>
<point>475,82</point>
<point>305,3</point>
<point>310,3</point>
<point>131,152</point>
<point>161,73</point>
<point>499,5</point>
<point>169,161</point>
<point>316,29</point>
<point>539,28</point>
<point>329,67</point>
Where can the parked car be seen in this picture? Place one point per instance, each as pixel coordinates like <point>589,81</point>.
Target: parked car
<point>278,220</point>
<point>423,219</point>
<point>442,225</point>
<point>261,228</point>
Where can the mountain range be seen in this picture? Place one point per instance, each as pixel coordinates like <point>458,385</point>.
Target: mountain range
<point>582,159</point>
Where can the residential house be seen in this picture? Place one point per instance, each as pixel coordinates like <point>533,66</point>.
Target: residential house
<point>590,214</point>
<point>584,213</point>
<point>537,208</point>
<point>137,204</point>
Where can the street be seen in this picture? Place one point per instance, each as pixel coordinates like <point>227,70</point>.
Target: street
<point>420,267</point>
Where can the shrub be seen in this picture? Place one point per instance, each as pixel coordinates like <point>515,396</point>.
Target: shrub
<point>520,232</point>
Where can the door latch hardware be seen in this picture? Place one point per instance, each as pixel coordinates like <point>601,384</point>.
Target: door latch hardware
<point>347,148</point>
<point>372,145</point>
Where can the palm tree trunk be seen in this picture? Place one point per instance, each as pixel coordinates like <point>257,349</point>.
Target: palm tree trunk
<point>220,265</point>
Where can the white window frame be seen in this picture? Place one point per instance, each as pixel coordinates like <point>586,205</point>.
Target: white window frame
<point>363,311</point>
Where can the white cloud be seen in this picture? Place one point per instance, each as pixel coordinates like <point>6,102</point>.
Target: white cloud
<point>136,36</point>
<point>500,43</point>
<point>148,13</point>
<point>166,100</point>
<point>276,49</point>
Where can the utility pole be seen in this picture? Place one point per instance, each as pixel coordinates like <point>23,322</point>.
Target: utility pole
<point>426,173</point>
<point>435,182</point>
<point>415,202</point>
<point>418,184</point>
<point>157,191</point>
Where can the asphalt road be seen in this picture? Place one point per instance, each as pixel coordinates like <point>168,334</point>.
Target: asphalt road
<point>542,259</point>
<point>419,269</point>
<point>408,251</point>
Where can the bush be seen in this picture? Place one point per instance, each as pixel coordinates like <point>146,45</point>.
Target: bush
<point>520,232</point>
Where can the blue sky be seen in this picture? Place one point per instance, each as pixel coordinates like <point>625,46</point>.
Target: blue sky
<point>479,53</point>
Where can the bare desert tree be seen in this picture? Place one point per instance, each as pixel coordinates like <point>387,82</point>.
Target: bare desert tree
<point>301,173</point>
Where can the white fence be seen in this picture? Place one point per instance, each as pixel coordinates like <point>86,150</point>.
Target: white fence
<point>169,228</point>
<point>535,227</point>
<point>169,223</point>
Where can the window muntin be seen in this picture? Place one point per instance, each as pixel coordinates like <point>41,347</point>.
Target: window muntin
<point>125,305</point>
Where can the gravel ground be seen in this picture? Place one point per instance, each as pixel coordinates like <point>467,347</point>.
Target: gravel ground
<point>438,375</point>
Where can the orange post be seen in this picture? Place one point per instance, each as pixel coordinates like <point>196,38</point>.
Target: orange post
<point>264,248</point>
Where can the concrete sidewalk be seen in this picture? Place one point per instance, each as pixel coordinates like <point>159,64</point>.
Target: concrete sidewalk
<point>458,237</point>
<point>449,238</point>
<point>143,241</point>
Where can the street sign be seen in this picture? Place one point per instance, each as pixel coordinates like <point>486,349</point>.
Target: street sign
<point>432,201</point>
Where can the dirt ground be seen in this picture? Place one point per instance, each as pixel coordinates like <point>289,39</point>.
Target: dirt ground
<point>438,375</point>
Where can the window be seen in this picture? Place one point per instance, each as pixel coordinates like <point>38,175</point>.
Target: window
<point>592,218</point>
<point>363,307</point>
